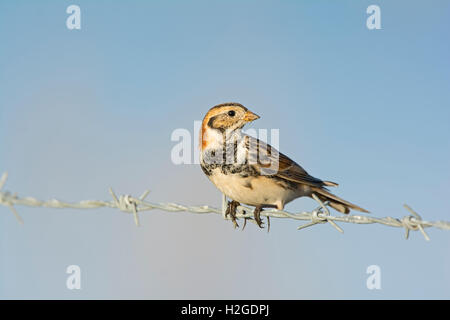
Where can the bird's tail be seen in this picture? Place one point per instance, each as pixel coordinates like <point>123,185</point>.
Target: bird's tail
<point>335,202</point>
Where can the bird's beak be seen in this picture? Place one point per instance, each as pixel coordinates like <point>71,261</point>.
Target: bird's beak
<point>250,116</point>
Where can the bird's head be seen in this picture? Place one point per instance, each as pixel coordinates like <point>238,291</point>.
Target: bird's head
<point>228,117</point>
<point>224,119</point>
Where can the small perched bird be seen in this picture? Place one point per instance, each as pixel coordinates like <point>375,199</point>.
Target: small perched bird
<point>252,172</point>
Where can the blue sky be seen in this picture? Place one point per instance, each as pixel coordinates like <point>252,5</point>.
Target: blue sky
<point>84,110</point>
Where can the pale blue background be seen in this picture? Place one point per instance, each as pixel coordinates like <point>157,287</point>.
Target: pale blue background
<point>87,109</point>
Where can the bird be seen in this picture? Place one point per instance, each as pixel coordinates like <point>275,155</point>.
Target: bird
<point>252,172</point>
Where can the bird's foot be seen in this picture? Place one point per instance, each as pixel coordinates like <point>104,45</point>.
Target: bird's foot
<point>231,211</point>
<point>257,216</point>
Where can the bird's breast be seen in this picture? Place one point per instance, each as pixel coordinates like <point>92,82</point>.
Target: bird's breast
<point>248,188</point>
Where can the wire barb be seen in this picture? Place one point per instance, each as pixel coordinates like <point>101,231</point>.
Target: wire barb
<point>413,222</point>
<point>128,204</point>
<point>320,215</point>
<point>5,198</point>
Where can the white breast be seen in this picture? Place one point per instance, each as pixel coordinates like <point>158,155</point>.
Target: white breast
<point>254,191</point>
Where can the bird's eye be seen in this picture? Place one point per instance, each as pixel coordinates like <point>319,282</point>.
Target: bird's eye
<point>231,113</point>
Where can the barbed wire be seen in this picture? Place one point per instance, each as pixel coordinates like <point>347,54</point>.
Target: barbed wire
<point>129,204</point>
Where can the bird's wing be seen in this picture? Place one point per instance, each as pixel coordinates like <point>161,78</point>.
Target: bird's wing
<point>267,160</point>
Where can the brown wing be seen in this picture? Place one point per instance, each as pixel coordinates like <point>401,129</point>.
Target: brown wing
<point>269,161</point>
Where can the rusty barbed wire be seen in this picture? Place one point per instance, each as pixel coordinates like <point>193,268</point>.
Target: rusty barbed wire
<point>129,204</point>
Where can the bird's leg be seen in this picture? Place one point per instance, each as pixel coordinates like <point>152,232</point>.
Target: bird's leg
<point>257,215</point>
<point>231,211</point>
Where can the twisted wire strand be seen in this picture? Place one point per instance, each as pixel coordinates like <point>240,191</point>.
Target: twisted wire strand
<point>129,204</point>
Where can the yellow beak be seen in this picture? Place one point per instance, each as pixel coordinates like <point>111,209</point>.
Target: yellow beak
<point>250,116</point>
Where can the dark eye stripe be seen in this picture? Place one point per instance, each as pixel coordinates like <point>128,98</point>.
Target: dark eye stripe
<point>211,122</point>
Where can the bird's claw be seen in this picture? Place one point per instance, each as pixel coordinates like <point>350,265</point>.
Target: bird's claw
<point>257,216</point>
<point>231,211</point>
